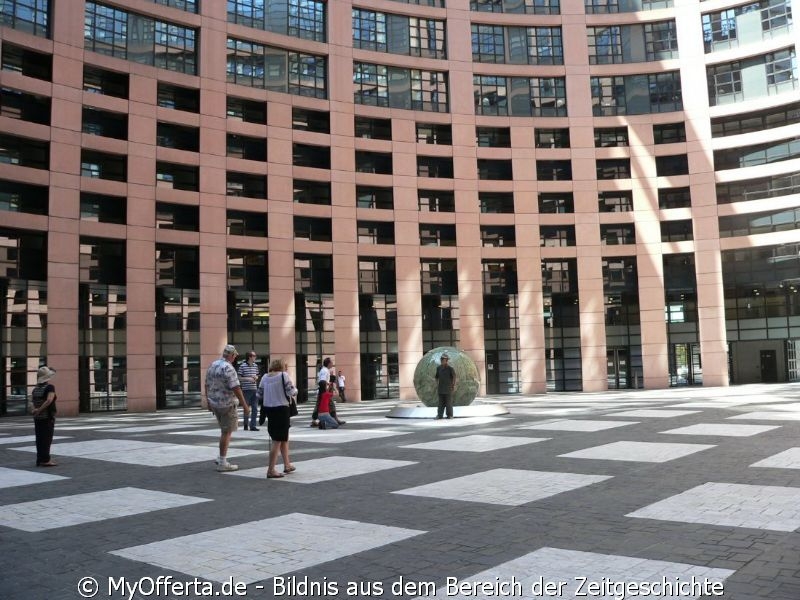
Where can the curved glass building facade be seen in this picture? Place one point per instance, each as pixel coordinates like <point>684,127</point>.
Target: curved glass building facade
<point>582,195</point>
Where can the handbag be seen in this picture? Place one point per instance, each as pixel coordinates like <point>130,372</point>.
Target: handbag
<point>293,412</point>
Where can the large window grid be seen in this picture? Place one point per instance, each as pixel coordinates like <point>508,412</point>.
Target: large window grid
<point>440,306</point>
<point>517,45</point>
<point>661,40</point>
<point>140,39</point>
<point>561,325</point>
<point>369,30</point>
<point>636,94</point>
<point>781,69</point>
<point>501,326</point>
<point>304,19</point>
<point>396,87</point>
<point>755,121</point>
<point>276,69</point>
<point>307,20</point>
<point>531,7</point>
<point>315,335</point>
<point>757,189</point>
<point>102,375</point>
<point>31,16</point>
<point>605,45</point>
<point>534,96</point>
<point>765,75</point>
<point>488,43</point>
<point>248,302</point>
<point>761,222</point>
<point>434,3</point>
<point>721,29</point>
<point>23,335</point>
<point>725,81</point>
<point>761,154</point>
<point>411,36</point>
<point>598,7</point>
<point>377,309</point>
<point>427,38</point>
<point>622,322</point>
<point>184,5</point>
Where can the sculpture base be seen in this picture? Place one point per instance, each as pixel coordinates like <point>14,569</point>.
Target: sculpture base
<point>417,410</point>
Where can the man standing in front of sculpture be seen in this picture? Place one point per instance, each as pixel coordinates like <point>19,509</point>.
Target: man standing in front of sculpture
<point>446,378</point>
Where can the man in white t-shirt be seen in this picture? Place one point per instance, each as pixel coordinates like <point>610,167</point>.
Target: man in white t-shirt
<point>340,382</point>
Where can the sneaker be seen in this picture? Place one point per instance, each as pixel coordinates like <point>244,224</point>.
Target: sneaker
<point>314,424</point>
<point>341,422</point>
<point>254,429</point>
<point>323,426</point>
<point>225,467</point>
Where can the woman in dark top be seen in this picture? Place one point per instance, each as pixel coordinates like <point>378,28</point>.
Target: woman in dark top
<point>43,398</point>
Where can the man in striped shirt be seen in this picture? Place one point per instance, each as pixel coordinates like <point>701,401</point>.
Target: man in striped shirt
<point>248,377</point>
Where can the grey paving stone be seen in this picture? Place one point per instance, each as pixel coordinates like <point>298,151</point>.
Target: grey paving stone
<point>356,481</point>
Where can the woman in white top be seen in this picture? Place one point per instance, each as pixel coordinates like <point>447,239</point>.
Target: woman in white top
<point>276,389</point>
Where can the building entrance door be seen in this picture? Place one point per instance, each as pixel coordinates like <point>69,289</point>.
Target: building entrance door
<point>618,368</point>
<point>769,366</point>
<point>685,365</point>
<point>492,373</point>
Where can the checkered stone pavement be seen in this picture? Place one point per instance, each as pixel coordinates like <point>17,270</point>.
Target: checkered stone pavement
<point>624,488</point>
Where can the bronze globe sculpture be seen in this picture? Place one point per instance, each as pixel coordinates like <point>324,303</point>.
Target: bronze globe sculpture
<point>467,377</point>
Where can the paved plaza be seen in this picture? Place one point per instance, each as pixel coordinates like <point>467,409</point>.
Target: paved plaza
<point>632,494</point>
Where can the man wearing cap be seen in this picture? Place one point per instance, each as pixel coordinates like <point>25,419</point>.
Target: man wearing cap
<point>224,394</point>
<point>43,399</point>
<point>446,376</point>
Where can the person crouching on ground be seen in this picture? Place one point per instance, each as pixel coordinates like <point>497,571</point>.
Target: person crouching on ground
<point>326,421</point>
<point>276,389</point>
<point>223,394</point>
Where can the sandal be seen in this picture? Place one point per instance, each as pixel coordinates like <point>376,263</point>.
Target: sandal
<point>274,475</point>
<point>291,469</point>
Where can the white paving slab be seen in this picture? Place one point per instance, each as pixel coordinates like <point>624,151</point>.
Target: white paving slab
<point>788,459</point>
<point>138,452</point>
<point>263,549</point>
<point>786,406</point>
<point>654,413</point>
<point>638,451</point>
<point>721,403</point>
<point>722,429</point>
<point>760,415</point>
<point>328,468</point>
<point>27,439</point>
<point>732,504</point>
<point>510,487</point>
<point>17,477</point>
<point>476,443</point>
<point>52,513</point>
<point>148,428</point>
<point>215,433</point>
<point>556,412</point>
<point>578,425</point>
<point>449,423</point>
<point>572,572</point>
<point>343,435</point>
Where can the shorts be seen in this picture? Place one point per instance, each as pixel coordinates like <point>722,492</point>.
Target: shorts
<point>228,418</point>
